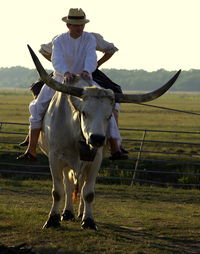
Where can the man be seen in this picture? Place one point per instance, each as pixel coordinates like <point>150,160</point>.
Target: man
<point>73,53</point>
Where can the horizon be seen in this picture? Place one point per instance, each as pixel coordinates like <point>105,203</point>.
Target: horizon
<point>50,69</point>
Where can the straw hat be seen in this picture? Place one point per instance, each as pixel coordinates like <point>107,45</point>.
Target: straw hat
<point>76,16</point>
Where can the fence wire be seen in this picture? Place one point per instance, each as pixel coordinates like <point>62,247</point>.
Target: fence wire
<point>148,163</point>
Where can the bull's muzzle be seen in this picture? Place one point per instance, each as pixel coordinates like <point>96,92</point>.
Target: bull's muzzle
<point>97,140</point>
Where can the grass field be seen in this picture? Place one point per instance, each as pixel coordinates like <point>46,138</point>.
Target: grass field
<point>138,220</point>
<point>14,108</point>
<point>131,220</point>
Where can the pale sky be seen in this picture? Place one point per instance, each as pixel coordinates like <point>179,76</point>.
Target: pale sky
<point>150,34</point>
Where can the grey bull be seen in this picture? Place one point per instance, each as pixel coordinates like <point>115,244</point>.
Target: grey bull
<point>73,136</point>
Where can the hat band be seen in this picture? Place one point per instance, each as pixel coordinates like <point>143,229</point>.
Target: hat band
<point>75,17</point>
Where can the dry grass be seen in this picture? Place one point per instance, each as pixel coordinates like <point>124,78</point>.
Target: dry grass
<point>142,220</point>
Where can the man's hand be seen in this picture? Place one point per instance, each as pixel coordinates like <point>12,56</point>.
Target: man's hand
<point>69,77</point>
<point>85,75</point>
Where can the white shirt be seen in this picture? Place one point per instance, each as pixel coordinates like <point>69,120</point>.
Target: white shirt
<point>102,46</point>
<point>74,55</point>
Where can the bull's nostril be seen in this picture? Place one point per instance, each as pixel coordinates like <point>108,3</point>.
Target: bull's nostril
<point>97,139</point>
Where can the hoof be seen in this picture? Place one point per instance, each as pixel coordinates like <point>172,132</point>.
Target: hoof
<point>53,221</point>
<point>68,216</point>
<point>89,224</point>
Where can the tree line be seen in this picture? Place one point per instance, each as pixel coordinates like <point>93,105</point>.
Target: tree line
<point>21,77</point>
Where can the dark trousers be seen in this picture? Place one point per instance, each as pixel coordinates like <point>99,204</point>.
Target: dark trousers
<point>102,80</point>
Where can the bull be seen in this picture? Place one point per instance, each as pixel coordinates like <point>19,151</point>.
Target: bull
<point>73,136</point>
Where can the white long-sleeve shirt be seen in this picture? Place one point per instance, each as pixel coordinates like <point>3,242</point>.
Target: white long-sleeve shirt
<point>101,45</point>
<point>74,55</point>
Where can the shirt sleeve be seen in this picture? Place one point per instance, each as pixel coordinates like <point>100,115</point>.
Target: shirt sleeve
<point>103,45</point>
<point>57,58</point>
<point>46,49</point>
<point>91,56</point>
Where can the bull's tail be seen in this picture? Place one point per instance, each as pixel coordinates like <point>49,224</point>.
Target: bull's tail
<point>75,193</point>
<point>75,182</point>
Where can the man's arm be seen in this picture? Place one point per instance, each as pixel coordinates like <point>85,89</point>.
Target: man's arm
<point>104,58</point>
<point>107,48</point>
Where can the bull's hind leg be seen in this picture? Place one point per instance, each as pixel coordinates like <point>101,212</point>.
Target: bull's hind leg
<point>57,195</point>
<point>81,181</point>
<point>68,213</point>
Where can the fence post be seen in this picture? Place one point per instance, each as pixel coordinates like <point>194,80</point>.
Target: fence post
<point>138,158</point>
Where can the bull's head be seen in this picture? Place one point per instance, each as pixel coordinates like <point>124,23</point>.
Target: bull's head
<point>95,107</point>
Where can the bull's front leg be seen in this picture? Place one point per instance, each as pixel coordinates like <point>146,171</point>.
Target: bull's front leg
<point>81,202</point>
<point>68,212</point>
<point>87,193</point>
<point>57,195</point>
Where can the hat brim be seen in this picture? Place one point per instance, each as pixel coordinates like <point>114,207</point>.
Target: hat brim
<point>75,21</point>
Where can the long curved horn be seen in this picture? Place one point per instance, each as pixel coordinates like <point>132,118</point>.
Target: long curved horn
<point>76,91</point>
<point>139,98</point>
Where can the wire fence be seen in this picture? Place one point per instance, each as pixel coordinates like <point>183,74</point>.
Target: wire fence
<point>156,157</point>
